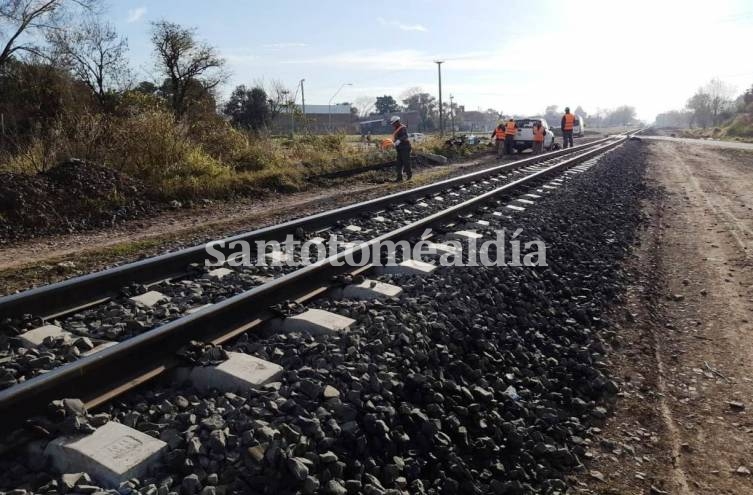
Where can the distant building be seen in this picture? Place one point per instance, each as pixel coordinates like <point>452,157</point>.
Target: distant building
<point>380,124</point>
<point>474,121</point>
<point>318,119</point>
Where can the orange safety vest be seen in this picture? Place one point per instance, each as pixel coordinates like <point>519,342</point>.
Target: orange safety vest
<point>500,133</point>
<point>511,129</point>
<point>569,122</point>
<point>538,134</point>
<point>399,128</point>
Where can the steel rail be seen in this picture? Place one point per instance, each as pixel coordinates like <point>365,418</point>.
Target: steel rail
<point>115,370</point>
<point>78,292</point>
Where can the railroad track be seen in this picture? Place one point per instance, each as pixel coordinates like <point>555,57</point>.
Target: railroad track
<point>115,369</point>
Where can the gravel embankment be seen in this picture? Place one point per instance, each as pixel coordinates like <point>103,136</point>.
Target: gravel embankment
<point>120,319</point>
<point>71,196</point>
<point>476,380</point>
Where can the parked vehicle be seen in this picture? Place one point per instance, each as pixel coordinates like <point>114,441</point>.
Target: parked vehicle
<point>416,136</point>
<point>579,126</point>
<point>524,137</point>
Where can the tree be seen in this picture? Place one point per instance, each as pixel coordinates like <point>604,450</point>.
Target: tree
<point>189,65</point>
<point>147,88</point>
<point>35,95</point>
<point>248,108</point>
<point>746,105</point>
<point>700,105</point>
<point>426,107</point>
<point>386,104</point>
<point>277,95</point>
<point>720,99</point>
<point>364,105</point>
<point>552,115</point>
<point>620,116</point>
<point>95,54</point>
<point>413,91</point>
<point>711,104</point>
<point>674,118</point>
<point>580,112</point>
<point>20,20</point>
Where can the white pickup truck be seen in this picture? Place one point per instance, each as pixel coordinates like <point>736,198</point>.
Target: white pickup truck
<point>524,137</point>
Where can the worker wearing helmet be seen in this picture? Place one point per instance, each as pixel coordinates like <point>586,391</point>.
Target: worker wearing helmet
<point>568,122</point>
<point>499,139</point>
<point>511,129</point>
<point>403,147</point>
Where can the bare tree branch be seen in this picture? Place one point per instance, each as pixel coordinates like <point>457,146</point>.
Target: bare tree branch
<point>22,20</point>
<point>94,53</point>
<point>187,63</point>
<point>364,105</point>
<point>277,95</point>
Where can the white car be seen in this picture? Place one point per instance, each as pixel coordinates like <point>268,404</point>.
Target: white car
<point>416,136</point>
<point>524,137</point>
<point>579,126</point>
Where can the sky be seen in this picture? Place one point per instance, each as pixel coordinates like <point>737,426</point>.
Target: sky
<point>510,55</point>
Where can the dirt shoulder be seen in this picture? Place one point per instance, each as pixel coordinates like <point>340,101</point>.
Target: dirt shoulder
<point>703,142</point>
<point>684,342</point>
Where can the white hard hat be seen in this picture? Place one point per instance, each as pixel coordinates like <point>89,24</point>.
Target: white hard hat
<point>394,119</point>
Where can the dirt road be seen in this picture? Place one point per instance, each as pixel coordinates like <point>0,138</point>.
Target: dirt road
<point>703,142</point>
<point>684,355</point>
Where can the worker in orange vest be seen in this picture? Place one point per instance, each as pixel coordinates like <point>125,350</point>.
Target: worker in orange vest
<point>403,147</point>
<point>499,139</point>
<point>510,131</point>
<point>568,122</point>
<point>538,138</point>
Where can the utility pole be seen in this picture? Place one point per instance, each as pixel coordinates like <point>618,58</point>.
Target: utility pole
<point>292,118</point>
<point>452,116</point>
<point>303,104</point>
<point>285,94</point>
<point>441,120</point>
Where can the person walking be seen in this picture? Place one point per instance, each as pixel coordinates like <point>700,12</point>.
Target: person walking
<point>538,138</point>
<point>510,131</point>
<point>403,147</point>
<point>567,124</point>
<point>499,139</point>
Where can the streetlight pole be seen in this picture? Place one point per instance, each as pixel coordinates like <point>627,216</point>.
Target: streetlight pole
<point>329,105</point>
<point>439,72</point>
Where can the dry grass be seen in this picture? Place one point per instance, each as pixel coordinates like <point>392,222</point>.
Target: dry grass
<point>208,159</point>
<point>198,158</point>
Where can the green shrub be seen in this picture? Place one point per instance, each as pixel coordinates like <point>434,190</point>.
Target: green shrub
<point>257,155</point>
<point>30,159</point>
<point>324,142</point>
<point>742,127</point>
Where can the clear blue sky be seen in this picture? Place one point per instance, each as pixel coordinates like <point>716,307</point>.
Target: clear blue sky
<point>515,56</point>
